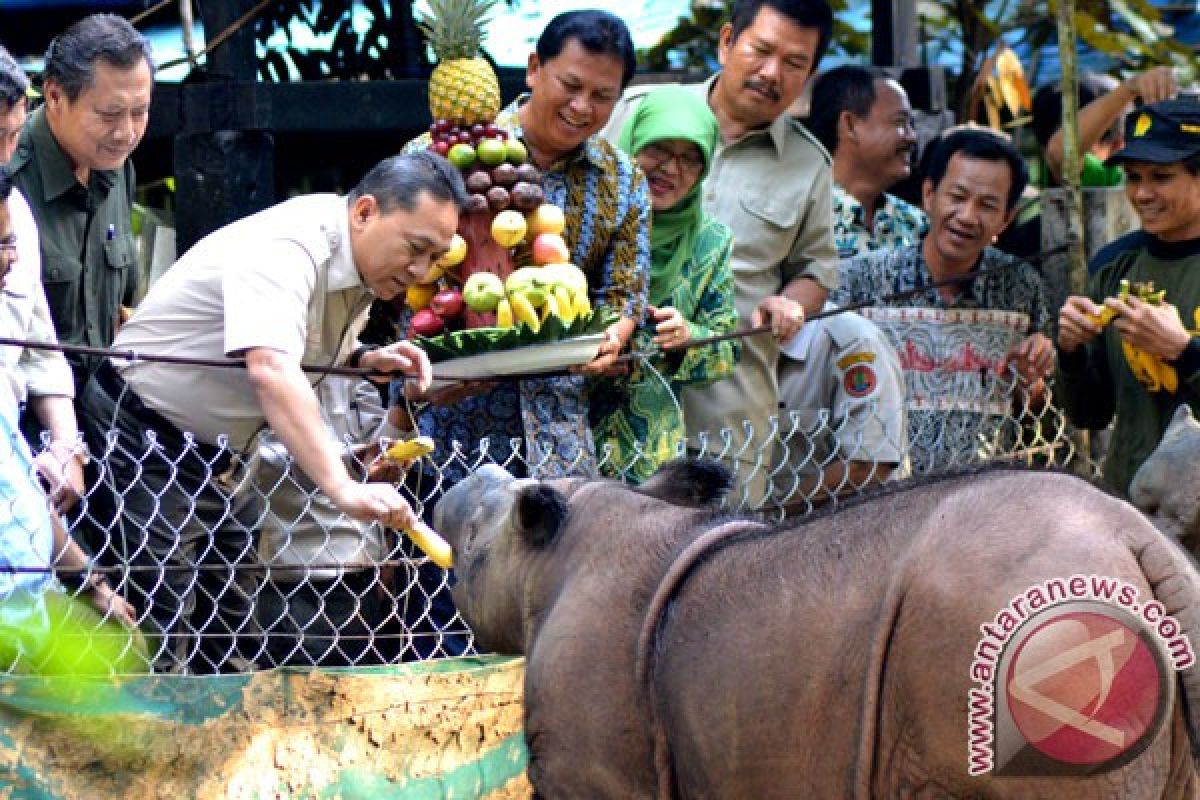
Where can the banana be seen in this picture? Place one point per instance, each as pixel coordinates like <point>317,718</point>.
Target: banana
<point>1103,317</point>
<point>582,305</point>
<point>504,314</point>
<point>410,449</point>
<point>550,308</point>
<point>523,312</point>
<point>566,305</point>
<point>432,544</point>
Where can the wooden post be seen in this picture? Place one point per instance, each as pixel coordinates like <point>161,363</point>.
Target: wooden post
<point>1072,159</point>
<point>224,155</point>
<point>894,33</point>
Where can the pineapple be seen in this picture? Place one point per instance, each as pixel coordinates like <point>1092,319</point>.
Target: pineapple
<point>463,86</point>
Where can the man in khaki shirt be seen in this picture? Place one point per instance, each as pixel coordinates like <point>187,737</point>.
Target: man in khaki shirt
<point>288,286</point>
<point>770,182</point>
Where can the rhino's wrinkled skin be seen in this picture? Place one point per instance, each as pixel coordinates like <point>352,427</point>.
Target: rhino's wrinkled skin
<point>824,659</point>
<point>1167,485</point>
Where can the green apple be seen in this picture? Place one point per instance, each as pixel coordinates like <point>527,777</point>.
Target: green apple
<point>491,151</point>
<point>516,152</point>
<point>483,292</point>
<point>528,281</point>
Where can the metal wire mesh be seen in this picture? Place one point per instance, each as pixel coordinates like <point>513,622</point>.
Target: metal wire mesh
<point>238,563</point>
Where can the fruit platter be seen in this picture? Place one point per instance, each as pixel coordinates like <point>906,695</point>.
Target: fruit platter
<point>507,282</point>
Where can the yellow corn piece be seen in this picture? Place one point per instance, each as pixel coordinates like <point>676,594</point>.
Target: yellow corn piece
<point>410,449</point>
<point>432,544</point>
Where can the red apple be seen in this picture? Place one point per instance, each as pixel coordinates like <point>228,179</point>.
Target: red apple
<point>550,248</point>
<point>447,303</point>
<point>426,323</point>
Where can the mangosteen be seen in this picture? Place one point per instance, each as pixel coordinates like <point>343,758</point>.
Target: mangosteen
<point>497,198</point>
<point>529,173</point>
<point>476,203</point>
<point>479,181</point>
<point>526,196</point>
<point>504,175</point>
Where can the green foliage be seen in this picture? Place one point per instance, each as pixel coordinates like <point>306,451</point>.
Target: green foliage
<point>473,341</point>
<point>389,47</point>
<point>692,44</point>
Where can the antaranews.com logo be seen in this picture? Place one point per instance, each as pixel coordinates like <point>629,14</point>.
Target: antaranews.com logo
<point>1074,676</point>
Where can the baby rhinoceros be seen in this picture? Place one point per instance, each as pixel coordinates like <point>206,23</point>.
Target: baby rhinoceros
<point>674,651</point>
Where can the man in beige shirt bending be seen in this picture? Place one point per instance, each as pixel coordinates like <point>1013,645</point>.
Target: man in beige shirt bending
<point>287,286</point>
<point>770,182</point>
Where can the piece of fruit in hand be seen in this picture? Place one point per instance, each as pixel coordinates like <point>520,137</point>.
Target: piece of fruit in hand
<point>409,449</point>
<point>1104,316</point>
<point>431,544</point>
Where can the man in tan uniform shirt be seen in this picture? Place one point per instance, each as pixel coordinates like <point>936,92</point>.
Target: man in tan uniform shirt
<point>770,182</point>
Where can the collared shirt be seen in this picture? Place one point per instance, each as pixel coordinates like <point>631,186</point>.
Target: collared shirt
<point>937,438</point>
<point>282,279</point>
<point>772,188</point>
<point>606,201</point>
<point>25,315</point>
<point>842,394</point>
<point>302,526</point>
<point>896,224</point>
<point>26,538</point>
<point>86,234</point>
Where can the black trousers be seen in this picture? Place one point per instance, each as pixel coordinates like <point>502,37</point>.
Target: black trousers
<point>182,534</point>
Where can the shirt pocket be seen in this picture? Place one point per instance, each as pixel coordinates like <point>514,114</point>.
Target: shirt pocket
<point>120,256</point>
<point>770,220</point>
<point>60,277</point>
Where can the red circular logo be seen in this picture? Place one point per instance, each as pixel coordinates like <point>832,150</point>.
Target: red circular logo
<point>859,380</point>
<point>1085,688</point>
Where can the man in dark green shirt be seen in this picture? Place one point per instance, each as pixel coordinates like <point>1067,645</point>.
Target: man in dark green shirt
<point>72,164</point>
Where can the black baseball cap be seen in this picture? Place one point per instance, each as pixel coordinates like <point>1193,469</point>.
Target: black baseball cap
<point>1161,133</point>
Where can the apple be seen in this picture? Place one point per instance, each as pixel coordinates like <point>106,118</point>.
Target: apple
<point>508,228</point>
<point>426,323</point>
<point>455,254</point>
<point>566,275</point>
<point>482,292</point>
<point>516,152</point>
<point>550,248</point>
<point>546,218</point>
<point>447,303</point>
<point>528,281</point>
<point>491,151</point>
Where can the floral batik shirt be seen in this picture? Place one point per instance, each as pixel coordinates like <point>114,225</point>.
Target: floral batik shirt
<point>544,422</point>
<point>897,224</point>
<point>939,439</point>
<point>637,419</point>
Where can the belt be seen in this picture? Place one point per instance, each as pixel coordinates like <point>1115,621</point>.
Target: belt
<point>128,401</point>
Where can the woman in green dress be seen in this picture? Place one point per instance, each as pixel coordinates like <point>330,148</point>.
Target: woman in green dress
<point>637,420</point>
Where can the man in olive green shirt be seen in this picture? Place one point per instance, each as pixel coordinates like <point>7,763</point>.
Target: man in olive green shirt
<point>72,164</point>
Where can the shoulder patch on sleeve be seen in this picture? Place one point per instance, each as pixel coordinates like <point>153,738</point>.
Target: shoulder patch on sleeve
<point>850,359</point>
<point>860,380</point>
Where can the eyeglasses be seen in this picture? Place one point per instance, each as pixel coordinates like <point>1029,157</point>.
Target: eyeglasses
<point>658,156</point>
<point>8,245</point>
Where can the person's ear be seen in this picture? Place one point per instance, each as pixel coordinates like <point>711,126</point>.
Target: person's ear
<point>724,42</point>
<point>927,190</point>
<point>847,127</point>
<point>532,67</point>
<point>363,208</point>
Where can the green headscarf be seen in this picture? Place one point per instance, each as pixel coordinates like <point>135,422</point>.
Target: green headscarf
<point>672,112</point>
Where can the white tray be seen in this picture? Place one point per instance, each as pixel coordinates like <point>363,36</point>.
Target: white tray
<point>536,358</point>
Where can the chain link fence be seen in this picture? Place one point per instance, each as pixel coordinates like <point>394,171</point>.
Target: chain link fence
<point>260,570</point>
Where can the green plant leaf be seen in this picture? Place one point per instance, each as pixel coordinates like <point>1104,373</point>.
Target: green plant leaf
<point>473,341</point>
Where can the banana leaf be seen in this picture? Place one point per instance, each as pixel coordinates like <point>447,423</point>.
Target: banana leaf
<point>472,341</point>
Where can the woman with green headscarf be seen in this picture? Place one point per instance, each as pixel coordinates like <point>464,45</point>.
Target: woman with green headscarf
<point>637,421</point>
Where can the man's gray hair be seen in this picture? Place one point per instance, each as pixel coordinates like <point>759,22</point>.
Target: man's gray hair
<point>397,181</point>
<point>13,81</point>
<point>72,56</point>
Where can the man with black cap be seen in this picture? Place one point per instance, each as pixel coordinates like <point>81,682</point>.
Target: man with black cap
<point>1146,363</point>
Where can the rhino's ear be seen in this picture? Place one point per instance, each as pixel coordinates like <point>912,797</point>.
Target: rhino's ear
<point>539,512</point>
<point>689,482</point>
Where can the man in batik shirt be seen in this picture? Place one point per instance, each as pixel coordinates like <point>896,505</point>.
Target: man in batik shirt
<point>582,62</point>
<point>974,181</point>
<point>865,122</point>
